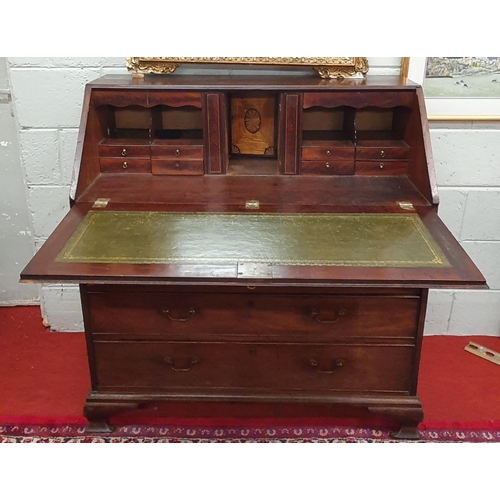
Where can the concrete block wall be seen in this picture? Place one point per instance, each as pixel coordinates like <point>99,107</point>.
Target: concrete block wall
<point>467,161</point>
<point>47,96</point>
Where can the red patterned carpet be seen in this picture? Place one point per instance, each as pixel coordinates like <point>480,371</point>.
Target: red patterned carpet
<point>294,432</point>
<point>44,381</point>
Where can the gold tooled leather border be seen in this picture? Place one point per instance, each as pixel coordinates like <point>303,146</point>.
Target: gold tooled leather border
<point>437,260</point>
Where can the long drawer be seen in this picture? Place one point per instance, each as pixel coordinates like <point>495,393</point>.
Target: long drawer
<point>196,316</point>
<point>171,366</point>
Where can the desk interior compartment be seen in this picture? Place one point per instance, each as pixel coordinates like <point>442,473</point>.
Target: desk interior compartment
<point>327,141</point>
<point>177,145</point>
<point>381,148</point>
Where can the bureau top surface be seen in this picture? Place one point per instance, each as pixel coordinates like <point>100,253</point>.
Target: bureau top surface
<point>221,82</point>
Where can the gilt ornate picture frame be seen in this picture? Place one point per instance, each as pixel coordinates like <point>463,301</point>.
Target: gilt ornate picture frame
<point>326,67</point>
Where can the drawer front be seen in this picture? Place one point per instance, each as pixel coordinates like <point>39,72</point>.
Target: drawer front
<point>194,152</point>
<point>212,367</point>
<point>133,165</point>
<point>174,99</point>
<point>303,318</point>
<point>381,167</point>
<point>119,97</point>
<point>382,153</point>
<point>330,167</point>
<point>124,151</point>
<point>327,153</point>
<point>358,100</point>
<point>177,167</point>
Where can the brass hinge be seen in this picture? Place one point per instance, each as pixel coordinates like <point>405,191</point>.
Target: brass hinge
<point>252,205</point>
<point>254,270</point>
<point>100,203</point>
<point>406,205</point>
<point>483,352</point>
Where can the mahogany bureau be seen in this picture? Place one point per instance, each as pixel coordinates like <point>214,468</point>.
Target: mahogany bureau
<point>258,240</point>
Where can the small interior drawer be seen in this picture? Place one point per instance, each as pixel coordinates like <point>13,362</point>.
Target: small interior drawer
<point>391,167</point>
<point>124,151</point>
<point>381,153</point>
<point>174,151</point>
<point>177,167</point>
<point>116,165</point>
<point>328,167</point>
<point>327,153</point>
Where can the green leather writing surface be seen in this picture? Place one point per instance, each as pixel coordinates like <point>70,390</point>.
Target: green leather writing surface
<point>137,237</point>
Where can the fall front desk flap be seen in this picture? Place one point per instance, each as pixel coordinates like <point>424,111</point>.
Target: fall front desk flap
<point>137,237</point>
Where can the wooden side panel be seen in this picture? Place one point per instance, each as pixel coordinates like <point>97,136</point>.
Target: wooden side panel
<point>429,159</point>
<point>291,104</point>
<point>216,151</point>
<point>418,344</point>
<point>86,167</point>
<point>416,135</point>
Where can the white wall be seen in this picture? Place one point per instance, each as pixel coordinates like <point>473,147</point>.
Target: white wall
<point>48,93</point>
<point>467,161</point>
<point>16,235</point>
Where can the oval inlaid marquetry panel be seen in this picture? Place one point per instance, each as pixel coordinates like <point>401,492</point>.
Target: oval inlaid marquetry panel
<point>252,120</point>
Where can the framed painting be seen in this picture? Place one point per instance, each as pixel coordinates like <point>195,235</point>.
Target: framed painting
<point>325,67</point>
<point>457,88</point>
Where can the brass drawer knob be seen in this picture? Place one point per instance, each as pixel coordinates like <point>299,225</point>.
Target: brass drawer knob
<point>328,153</point>
<point>177,152</point>
<point>124,152</point>
<point>327,165</point>
<point>335,365</point>
<point>177,164</point>
<point>125,164</point>
<point>381,166</point>
<point>382,154</point>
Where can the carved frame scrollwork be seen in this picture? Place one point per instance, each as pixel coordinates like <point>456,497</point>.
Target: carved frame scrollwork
<point>326,67</point>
